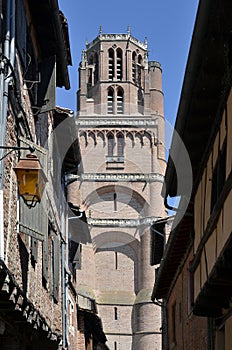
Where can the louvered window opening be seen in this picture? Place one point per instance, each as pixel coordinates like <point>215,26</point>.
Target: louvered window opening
<point>120,102</point>
<point>110,102</point>
<point>134,67</point>
<point>111,65</point>
<point>119,65</point>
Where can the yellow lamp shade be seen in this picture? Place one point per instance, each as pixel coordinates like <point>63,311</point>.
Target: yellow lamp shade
<point>31,179</point>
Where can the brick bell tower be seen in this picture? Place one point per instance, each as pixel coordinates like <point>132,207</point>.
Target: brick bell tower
<point>121,132</point>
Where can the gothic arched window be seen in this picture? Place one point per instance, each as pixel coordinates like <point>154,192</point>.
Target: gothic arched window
<point>111,64</point>
<point>134,66</point>
<point>110,139</point>
<point>90,71</point>
<point>96,75</point>
<point>140,70</point>
<point>110,101</point>
<point>120,144</point>
<point>120,101</point>
<point>119,64</point>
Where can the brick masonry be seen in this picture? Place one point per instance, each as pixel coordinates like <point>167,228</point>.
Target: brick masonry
<point>117,264</point>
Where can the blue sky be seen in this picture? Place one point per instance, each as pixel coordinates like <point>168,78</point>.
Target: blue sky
<point>167,24</point>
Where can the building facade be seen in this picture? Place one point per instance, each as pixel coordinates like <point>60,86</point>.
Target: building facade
<point>121,133</point>
<point>34,61</point>
<point>194,277</point>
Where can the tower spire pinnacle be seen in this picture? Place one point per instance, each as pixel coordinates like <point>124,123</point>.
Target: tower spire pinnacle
<point>128,30</point>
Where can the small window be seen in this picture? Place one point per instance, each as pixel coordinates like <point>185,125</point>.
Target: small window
<point>116,260</point>
<point>115,313</point>
<point>115,201</point>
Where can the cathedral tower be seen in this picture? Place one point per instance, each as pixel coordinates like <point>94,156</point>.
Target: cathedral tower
<point>121,133</point>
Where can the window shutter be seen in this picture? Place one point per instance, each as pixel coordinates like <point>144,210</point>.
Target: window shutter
<point>34,250</point>
<point>34,221</point>
<point>78,256</point>
<point>45,259</point>
<point>157,242</point>
<point>46,97</point>
<point>56,267</point>
<point>21,30</point>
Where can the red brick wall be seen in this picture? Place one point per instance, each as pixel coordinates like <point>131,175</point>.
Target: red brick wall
<point>190,331</point>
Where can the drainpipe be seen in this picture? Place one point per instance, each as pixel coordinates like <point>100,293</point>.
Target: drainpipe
<point>63,280</point>
<point>9,52</point>
<point>66,271</point>
<point>67,260</point>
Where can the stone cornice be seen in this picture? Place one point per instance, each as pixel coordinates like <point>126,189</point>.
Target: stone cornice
<point>104,122</point>
<point>117,37</point>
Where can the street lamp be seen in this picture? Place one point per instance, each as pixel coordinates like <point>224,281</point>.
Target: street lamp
<point>31,179</point>
<point>30,176</point>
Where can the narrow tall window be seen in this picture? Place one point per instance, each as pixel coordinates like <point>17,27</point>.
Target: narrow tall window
<point>115,201</point>
<point>120,101</point>
<point>134,67</point>
<point>140,100</point>
<point>95,68</point>
<point>116,260</point>
<point>120,145</point>
<point>115,345</point>
<point>110,145</point>
<point>110,101</point>
<point>90,71</point>
<point>115,313</point>
<point>119,64</point>
<point>111,64</point>
<point>140,70</point>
